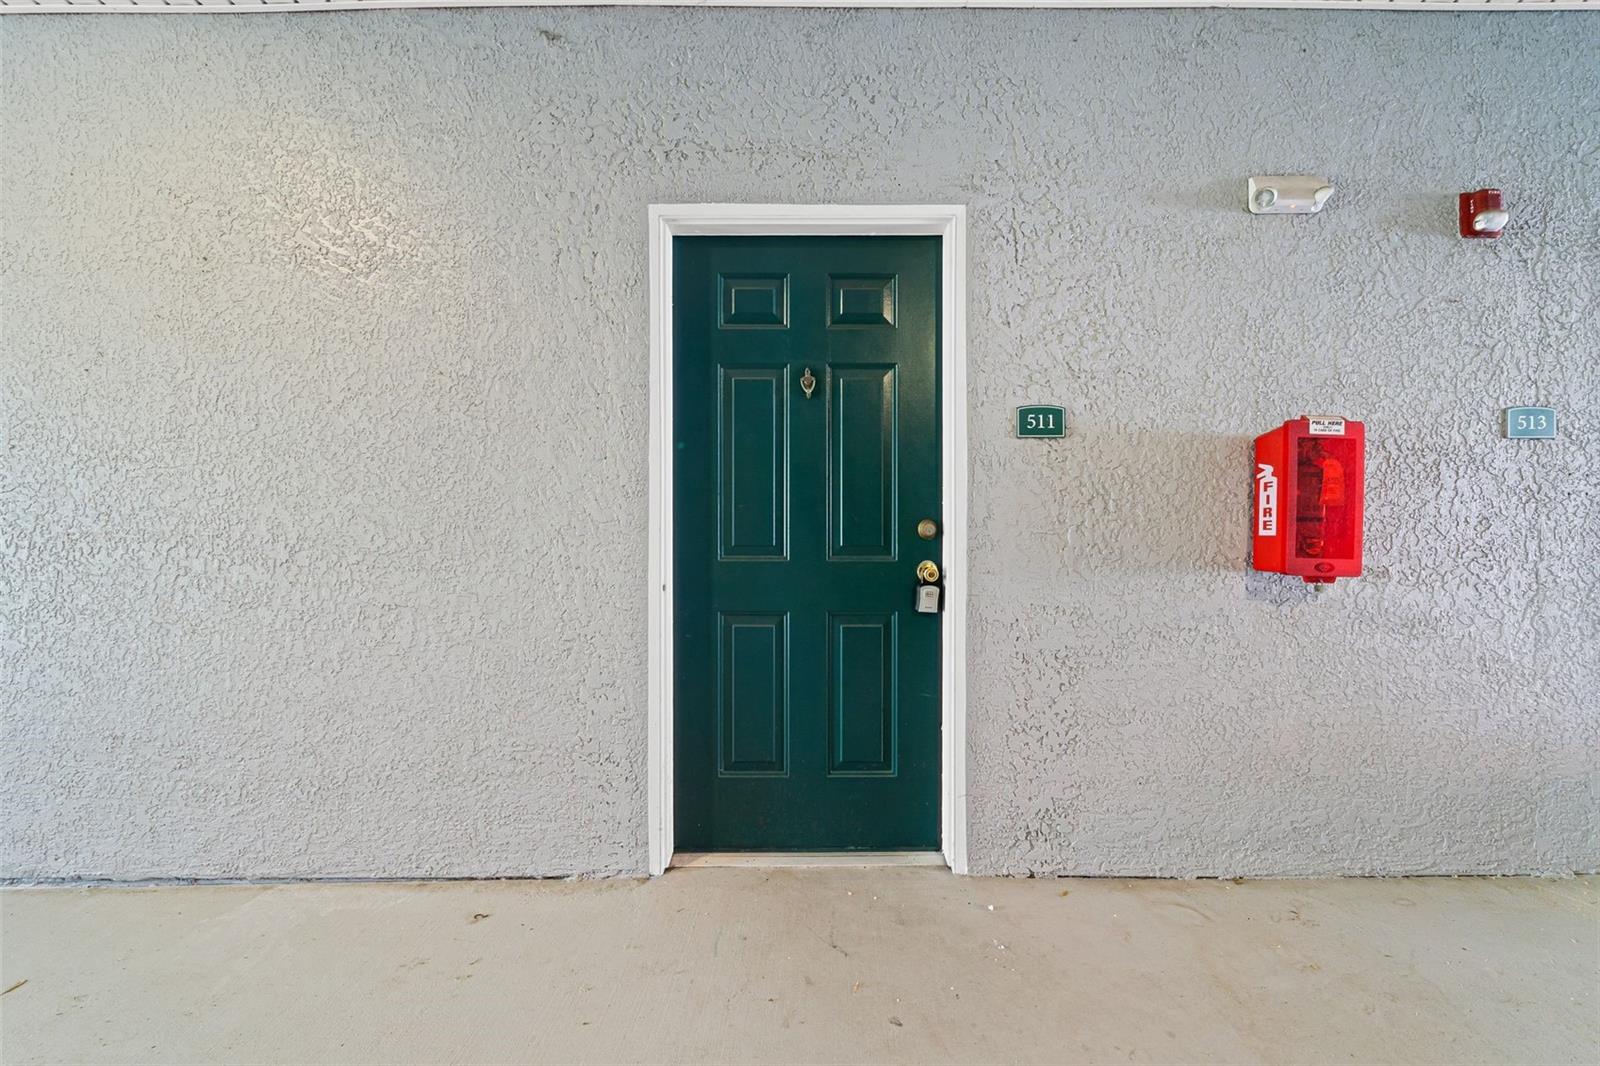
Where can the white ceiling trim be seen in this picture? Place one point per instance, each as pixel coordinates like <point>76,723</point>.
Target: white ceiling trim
<point>242,7</point>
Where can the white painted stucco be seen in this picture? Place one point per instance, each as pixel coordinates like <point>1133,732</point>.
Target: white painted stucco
<point>324,392</point>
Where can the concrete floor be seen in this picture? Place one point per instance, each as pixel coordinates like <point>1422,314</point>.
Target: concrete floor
<point>826,965</point>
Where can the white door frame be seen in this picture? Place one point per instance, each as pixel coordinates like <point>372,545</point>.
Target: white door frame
<point>946,221</point>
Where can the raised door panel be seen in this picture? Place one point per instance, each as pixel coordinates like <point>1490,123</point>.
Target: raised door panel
<point>863,474</point>
<point>863,658</point>
<point>753,301</point>
<point>862,300</point>
<point>752,453</point>
<point>753,694</point>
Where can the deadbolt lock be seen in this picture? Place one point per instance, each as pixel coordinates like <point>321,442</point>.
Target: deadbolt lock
<point>927,529</point>
<point>928,571</point>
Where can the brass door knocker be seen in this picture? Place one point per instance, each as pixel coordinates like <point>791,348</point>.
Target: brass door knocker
<point>808,384</point>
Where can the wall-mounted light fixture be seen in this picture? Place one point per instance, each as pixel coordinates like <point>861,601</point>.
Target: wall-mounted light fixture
<point>1287,194</point>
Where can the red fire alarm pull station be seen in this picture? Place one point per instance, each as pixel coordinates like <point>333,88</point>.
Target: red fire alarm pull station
<point>1310,481</point>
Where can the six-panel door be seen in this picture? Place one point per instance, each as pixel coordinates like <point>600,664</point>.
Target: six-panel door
<point>807,449</point>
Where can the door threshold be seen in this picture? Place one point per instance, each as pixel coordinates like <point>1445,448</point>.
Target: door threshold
<point>684,860</point>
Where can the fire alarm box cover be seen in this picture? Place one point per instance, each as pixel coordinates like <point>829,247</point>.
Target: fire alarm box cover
<point>1309,493</point>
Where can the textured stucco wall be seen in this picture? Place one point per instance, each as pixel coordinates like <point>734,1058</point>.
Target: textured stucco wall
<point>323,549</point>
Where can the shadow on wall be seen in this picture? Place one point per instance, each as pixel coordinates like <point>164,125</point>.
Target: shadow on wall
<point>1280,590</point>
<point>1215,197</point>
<point>1429,214</point>
<point>1139,499</point>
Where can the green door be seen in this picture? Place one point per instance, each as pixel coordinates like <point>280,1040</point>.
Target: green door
<point>806,393</point>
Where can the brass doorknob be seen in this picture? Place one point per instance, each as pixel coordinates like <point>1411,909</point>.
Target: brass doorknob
<point>928,571</point>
